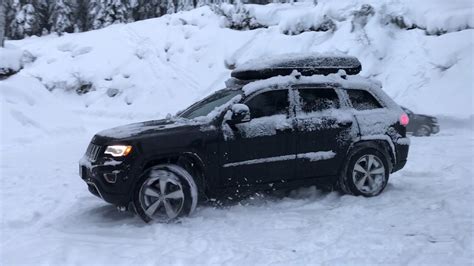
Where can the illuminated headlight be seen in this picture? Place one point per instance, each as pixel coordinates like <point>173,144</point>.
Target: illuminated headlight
<point>118,150</point>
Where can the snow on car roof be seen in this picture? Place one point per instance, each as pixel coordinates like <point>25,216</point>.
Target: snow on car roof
<point>354,82</point>
<point>306,64</point>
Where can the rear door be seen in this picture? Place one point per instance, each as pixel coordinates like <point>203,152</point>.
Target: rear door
<point>261,150</point>
<point>325,129</point>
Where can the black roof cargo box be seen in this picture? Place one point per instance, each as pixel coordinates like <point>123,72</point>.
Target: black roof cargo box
<point>306,64</point>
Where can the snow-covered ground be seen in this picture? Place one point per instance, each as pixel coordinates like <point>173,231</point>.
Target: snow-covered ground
<point>147,69</point>
<point>425,216</point>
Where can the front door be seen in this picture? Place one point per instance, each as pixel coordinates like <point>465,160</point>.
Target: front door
<point>261,150</point>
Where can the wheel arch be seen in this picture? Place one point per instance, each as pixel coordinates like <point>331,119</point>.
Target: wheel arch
<point>382,145</point>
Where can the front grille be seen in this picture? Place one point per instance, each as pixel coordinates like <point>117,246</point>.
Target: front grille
<point>93,151</point>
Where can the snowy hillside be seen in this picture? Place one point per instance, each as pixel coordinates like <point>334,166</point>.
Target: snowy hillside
<point>150,68</point>
<point>71,87</point>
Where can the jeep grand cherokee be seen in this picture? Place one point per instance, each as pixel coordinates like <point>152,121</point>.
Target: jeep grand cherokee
<point>257,134</point>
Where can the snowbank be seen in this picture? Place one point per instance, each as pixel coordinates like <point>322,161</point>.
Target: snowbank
<point>10,59</point>
<point>29,111</point>
<point>147,69</point>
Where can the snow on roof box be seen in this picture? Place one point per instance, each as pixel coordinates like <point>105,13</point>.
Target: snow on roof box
<point>306,64</point>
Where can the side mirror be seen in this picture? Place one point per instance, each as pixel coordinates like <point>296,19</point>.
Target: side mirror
<point>240,113</point>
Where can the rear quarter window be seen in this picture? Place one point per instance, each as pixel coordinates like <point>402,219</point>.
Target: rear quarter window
<point>363,100</point>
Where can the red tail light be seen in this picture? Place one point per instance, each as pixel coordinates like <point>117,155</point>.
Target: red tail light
<point>404,119</point>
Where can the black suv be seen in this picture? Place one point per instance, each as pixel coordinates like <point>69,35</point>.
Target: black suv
<point>255,135</point>
<point>421,125</point>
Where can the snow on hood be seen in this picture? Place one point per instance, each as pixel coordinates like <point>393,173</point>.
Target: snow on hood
<point>135,129</point>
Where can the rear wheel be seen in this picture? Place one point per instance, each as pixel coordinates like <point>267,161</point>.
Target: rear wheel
<point>165,193</point>
<point>366,174</point>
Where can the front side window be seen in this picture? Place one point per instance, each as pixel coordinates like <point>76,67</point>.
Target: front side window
<point>363,100</point>
<point>317,100</point>
<point>269,103</point>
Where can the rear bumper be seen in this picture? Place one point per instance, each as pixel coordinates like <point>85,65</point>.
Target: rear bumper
<point>402,155</point>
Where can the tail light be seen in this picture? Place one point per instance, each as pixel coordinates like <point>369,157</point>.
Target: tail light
<point>404,119</point>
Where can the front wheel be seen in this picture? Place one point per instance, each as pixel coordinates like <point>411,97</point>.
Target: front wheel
<point>423,131</point>
<point>366,174</point>
<point>165,193</point>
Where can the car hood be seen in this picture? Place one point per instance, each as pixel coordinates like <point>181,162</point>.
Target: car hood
<point>130,131</point>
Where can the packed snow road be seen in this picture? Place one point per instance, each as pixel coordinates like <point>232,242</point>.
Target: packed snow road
<point>424,216</point>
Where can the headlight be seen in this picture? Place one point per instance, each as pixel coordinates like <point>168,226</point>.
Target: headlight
<point>434,119</point>
<point>118,150</point>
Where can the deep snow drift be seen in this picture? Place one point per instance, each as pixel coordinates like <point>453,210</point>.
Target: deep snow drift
<point>82,83</point>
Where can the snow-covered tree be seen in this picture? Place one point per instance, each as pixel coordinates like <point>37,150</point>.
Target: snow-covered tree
<point>62,17</point>
<point>145,9</point>
<point>110,12</point>
<point>44,10</point>
<point>12,7</point>
<point>171,7</point>
<point>84,14</point>
<point>40,17</point>
<point>2,23</point>
<point>25,22</point>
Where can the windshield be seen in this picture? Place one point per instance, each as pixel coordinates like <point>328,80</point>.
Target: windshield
<point>205,106</point>
<point>408,111</point>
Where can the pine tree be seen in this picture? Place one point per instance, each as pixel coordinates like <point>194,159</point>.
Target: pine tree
<point>170,8</point>
<point>110,12</point>
<point>2,23</point>
<point>62,18</point>
<point>44,10</point>
<point>145,9</point>
<point>25,22</point>
<point>13,8</point>
<point>84,13</point>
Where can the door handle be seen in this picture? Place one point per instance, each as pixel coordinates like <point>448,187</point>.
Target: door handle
<point>344,123</point>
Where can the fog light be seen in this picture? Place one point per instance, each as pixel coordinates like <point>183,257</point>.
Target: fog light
<point>110,177</point>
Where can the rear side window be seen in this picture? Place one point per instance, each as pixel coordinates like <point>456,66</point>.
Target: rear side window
<point>363,100</point>
<point>269,103</point>
<point>316,100</point>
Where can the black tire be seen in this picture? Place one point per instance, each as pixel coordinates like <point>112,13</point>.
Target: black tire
<point>175,179</point>
<point>423,131</point>
<point>347,181</point>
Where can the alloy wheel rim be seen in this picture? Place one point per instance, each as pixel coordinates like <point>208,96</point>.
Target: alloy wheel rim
<point>368,174</point>
<point>162,196</point>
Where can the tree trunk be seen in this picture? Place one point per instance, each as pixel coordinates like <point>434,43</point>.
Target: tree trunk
<point>2,23</point>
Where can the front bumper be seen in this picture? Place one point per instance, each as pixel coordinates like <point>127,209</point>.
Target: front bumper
<point>434,129</point>
<point>109,182</point>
